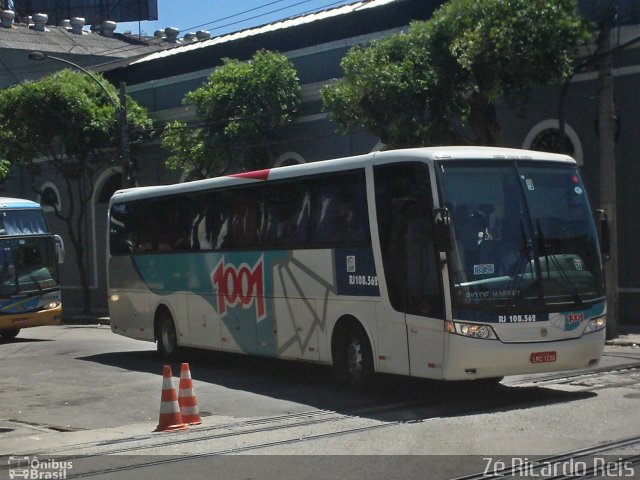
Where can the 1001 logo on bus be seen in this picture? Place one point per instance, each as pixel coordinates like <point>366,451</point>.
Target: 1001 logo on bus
<point>240,285</point>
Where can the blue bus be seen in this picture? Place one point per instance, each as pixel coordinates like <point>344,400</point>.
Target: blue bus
<point>29,276</point>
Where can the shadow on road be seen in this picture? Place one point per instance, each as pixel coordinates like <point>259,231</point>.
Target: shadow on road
<point>5,341</point>
<point>407,399</point>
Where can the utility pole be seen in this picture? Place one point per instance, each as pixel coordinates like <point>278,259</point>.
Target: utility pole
<point>125,154</point>
<point>606,129</point>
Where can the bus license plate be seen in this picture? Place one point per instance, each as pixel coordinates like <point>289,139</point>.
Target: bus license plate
<point>543,357</point>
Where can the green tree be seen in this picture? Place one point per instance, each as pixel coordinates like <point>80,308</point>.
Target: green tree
<point>421,87</point>
<point>241,111</point>
<point>66,122</point>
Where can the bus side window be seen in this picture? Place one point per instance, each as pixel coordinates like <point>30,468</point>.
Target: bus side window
<point>303,219</point>
<point>244,221</point>
<point>360,222</point>
<point>122,229</point>
<point>213,222</point>
<point>339,209</point>
<point>268,221</point>
<point>284,215</point>
<point>199,238</point>
<point>325,214</point>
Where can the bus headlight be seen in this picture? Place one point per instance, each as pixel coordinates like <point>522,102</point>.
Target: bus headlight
<point>596,324</point>
<point>51,305</point>
<point>473,330</point>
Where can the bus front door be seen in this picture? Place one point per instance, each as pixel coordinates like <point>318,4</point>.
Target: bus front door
<point>412,269</point>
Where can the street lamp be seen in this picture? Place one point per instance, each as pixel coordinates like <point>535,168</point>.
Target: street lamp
<point>120,105</point>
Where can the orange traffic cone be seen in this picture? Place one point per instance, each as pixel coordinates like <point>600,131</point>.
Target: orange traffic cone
<point>187,399</point>
<point>170,418</point>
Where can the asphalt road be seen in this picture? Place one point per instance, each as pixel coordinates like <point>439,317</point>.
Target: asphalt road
<point>81,392</point>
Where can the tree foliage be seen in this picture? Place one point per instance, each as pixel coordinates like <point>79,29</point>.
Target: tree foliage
<point>67,122</point>
<point>421,87</point>
<point>67,119</point>
<point>241,110</point>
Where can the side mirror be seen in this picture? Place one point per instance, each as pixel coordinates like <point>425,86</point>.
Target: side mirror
<point>59,248</point>
<point>602,224</point>
<point>442,221</point>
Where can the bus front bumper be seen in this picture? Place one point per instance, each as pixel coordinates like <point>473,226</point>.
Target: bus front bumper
<point>51,316</point>
<point>471,358</point>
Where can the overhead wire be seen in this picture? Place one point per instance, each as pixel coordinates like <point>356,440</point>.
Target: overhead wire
<point>265,14</point>
<point>235,15</point>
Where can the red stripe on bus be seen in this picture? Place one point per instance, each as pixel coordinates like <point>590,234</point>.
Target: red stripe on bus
<point>256,175</point>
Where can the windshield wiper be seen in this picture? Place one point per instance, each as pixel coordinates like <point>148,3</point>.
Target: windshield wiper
<point>523,260</point>
<point>545,249</point>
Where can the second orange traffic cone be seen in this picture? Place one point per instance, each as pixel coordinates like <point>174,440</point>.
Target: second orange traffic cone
<point>170,418</point>
<point>187,399</point>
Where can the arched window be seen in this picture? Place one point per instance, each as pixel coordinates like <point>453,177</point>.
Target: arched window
<point>49,197</point>
<point>289,158</point>
<point>545,137</point>
<point>113,183</point>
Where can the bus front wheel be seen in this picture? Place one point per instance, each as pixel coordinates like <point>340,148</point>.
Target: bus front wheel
<point>355,360</point>
<point>9,334</point>
<point>166,336</point>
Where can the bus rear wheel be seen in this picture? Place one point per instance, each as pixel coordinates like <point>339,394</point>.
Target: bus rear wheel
<point>355,360</point>
<point>166,337</point>
<point>9,334</point>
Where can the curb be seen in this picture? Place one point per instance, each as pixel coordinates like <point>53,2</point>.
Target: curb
<point>84,320</point>
<point>622,343</point>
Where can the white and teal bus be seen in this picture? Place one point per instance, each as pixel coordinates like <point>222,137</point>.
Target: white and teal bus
<point>29,257</point>
<point>449,263</point>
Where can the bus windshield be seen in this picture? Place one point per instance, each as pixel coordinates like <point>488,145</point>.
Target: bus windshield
<point>22,222</point>
<point>27,265</point>
<point>523,236</point>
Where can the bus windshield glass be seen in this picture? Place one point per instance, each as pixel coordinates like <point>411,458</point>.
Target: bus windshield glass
<point>27,265</point>
<point>22,222</point>
<point>523,236</point>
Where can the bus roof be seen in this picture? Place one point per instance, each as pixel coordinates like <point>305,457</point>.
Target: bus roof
<point>18,203</point>
<point>426,154</point>
<point>477,153</point>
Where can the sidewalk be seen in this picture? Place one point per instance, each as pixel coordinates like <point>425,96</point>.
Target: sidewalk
<point>628,336</point>
<point>84,319</point>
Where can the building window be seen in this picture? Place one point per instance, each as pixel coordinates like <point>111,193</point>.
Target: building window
<point>49,197</point>
<point>289,158</point>
<point>550,140</point>
<point>113,184</point>
<point>546,137</point>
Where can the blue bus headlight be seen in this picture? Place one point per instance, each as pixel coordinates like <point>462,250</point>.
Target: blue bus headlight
<point>596,324</point>
<point>473,330</point>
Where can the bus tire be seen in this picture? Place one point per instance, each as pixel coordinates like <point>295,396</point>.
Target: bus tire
<point>166,337</point>
<point>9,334</point>
<point>354,362</point>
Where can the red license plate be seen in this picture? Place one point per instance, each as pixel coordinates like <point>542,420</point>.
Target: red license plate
<point>543,357</point>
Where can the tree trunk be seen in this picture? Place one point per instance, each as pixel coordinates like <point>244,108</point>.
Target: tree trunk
<point>483,119</point>
<point>82,273</point>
